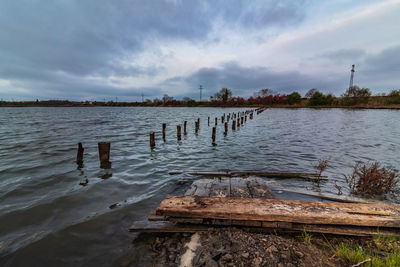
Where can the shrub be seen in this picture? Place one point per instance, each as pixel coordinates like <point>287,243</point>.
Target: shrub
<point>319,99</point>
<point>372,180</point>
<point>294,98</point>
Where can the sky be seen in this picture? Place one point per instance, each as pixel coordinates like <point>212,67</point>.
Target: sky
<point>120,49</point>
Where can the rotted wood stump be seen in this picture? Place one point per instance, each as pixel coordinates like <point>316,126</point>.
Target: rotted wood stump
<point>104,155</point>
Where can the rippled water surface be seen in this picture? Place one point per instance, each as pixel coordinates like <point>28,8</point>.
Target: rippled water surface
<point>47,218</point>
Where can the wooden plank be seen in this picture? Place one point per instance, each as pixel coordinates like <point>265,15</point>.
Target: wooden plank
<point>199,188</point>
<point>295,211</point>
<point>166,227</point>
<point>172,227</point>
<point>239,188</point>
<point>220,187</point>
<point>154,217</point>
<point>328,196</point>
<point>258,188</point>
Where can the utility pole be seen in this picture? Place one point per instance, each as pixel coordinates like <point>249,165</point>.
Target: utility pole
<point>201,89</point>
<point>142,98</point>
<point>351,76</point>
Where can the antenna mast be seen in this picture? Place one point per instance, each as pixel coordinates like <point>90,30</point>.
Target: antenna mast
<point>142,97</point>
<point>201,89</point>
<point>351,76</point>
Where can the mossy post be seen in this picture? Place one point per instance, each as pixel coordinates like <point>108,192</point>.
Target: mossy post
<point>104,155</point>
<point>164,126</point>
<point>214,130</point>
<point>178,132</point>
<point>79,155</point>
<point>152,140</point>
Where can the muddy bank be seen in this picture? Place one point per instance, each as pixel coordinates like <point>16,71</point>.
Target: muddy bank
<point>226,248</point>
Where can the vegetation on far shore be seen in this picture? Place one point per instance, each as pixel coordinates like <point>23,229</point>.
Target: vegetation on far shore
<point>354,97</point>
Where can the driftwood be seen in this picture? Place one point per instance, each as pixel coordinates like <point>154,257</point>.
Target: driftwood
<point>270,210</point>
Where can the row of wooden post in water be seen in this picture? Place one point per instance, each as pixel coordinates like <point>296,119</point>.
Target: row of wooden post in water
<point>237,120</point>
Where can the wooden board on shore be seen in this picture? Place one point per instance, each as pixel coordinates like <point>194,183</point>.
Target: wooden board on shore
<point>292,211</point>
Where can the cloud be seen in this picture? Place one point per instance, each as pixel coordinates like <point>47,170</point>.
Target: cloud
<point>104,38</point>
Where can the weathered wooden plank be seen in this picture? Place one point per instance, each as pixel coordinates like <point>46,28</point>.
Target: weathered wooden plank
<point>295,211</point>
<point>239,188</point>
<point>154,217</point>
<point>167,226</point>
<point>220,187</point>
<point>258,188</point>
<point>199,188</point>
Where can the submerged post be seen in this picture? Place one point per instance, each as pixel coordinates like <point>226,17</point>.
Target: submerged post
<point>216,121</point>
<point>233,125</point>
<point>226,128</point>
<point>213,135</point>
<point>164,126</point>
<point>208,121</point>
<point>178,132</point>
<point>184,127</point>
<point>238,122</point>
<point>152,140</point>
<point>104,155</point>
<point>196,127</point>
<point>79,155</point>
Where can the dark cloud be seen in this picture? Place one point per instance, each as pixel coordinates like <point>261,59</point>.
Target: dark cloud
<point>246,80</point>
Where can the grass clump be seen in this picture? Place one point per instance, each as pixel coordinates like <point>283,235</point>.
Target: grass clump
<point>306,237</point>
<point>371,179</point>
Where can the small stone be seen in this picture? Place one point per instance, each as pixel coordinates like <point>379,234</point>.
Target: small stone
<point>272,249</point>
<point>299,254</point>
<point>245,255</point>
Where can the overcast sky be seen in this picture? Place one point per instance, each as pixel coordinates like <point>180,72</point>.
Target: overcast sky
<point>102,49</point>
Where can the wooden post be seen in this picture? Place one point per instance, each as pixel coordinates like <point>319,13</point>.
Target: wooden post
<point>226,128</point>
<point>238,122</point>
<point>196,127</point>
<point>233,125</point>
<point>152,140</point>
<point>216,121</point>
<point>184,127</point>
<point>222,119</point>
<point>178,132</point>
<point>164,126</point>
<point>208,121</point>
<point>79,155</point>
<point>104,155</point>
<point>242,121</point>
<point>213,135</point>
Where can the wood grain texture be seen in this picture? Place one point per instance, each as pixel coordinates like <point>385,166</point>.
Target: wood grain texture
<point>256,209</point>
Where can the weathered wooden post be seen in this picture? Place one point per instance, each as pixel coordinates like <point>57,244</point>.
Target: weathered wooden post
<point>104,155</point>
<point>216,121</point>
<point>226,128</point>
<point>79,155</point>
<point>238,122</point>
<point>208,121</point>
<point>178,132</point>
<point>164,126</point>
<point>242,120</point>
<point>233,125</point>
<point>196,127</point>
<point>213,135</point>
<point>184,127</point>
<point>222,119</point>
<point>152,140</point>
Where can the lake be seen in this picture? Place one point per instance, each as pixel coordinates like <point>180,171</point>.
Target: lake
<point>47,218</point>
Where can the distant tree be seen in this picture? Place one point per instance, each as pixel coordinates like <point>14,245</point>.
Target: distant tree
<point>186,99</point>
<point>294,98</point>
<point>393,97</point>
<point>310,93</point>
<point>319,99</point>
<point>355,95</point>
<point>224,95</point>
<point>263,92</point>
<point>394,93</point>
<point>166,98</point>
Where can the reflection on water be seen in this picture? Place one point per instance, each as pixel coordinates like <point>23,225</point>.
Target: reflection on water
<point>54,212</point>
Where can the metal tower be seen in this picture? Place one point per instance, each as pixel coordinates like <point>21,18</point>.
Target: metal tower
<point>142,97</point>
<point>201,90</point>
<point>351,76</point>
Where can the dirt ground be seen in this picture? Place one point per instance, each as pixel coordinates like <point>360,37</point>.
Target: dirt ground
<point>226,248</point>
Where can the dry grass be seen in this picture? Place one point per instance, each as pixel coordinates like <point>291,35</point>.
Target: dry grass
<point>371,179</point>
<point>321,166</point>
